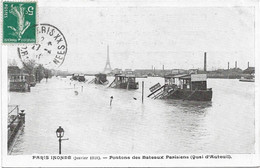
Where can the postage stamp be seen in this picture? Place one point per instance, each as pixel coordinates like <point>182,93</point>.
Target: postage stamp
<point>50,50</point>
<point>19,19</point>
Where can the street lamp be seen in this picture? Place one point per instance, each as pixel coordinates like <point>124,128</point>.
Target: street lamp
<point>60,134</point>
<point>22,115</point>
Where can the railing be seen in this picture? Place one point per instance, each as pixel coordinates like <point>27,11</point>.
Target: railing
<point>13,112</point>
<point>156,90</point>
<point>12,132</point>
<point>15,122</point>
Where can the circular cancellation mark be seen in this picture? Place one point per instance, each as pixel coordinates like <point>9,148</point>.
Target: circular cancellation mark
<point>50,49</point>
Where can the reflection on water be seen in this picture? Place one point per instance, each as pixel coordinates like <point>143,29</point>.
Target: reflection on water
<point>128,126</point>
<point>189,106</point>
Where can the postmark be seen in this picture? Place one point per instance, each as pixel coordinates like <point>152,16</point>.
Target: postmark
<point>19,19</point>
<point>49,51</point>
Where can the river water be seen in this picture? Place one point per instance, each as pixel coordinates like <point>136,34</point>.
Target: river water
<point>224,125</point>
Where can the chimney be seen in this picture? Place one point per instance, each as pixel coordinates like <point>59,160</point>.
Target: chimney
<point>247,64</point>
<point>236,64</point>
<point>228,65</point>
<point>205,61</point>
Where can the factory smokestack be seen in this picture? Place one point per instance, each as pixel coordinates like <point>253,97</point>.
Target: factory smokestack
<point>247,64</point>
<point>236,64</point>
<point>228,65</point>
<point>205,61</point>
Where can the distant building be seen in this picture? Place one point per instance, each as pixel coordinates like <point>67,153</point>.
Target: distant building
<point>193,71</point>
<point>179,71</point>
<point>128,72</point>
<point>117,71</point>
<point>249,70</point>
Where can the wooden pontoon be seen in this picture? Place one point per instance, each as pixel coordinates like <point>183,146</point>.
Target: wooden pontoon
<point>124,82</point>
<point>183,86</point>
<point>101,79</point>
<point>78,77</point>
<point>19,82</point>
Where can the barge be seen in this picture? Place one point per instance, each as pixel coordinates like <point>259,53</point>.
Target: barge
<point>183,86</point>
<point>101,79</point>
<point>124,81</point>
<point>77,77</point>
<point>246,79</point>
<point>248,75</point>
<point>19,83</point>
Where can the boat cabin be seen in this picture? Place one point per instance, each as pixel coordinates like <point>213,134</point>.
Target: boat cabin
<point>19,82</point>
<point>78,77</point>
<point>74,76</point>
<point>183,86</point>
<point>187,81</point>
<point>125,81</point>
<point>101,78</point>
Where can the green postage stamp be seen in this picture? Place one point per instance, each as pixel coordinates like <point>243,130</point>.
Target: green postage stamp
<point>19,20</point>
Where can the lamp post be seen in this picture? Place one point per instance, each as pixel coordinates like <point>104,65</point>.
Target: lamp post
<point>60,134</point>
<point>22,116</point>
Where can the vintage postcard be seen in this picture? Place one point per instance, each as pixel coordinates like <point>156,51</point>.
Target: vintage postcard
<point>94,83</point>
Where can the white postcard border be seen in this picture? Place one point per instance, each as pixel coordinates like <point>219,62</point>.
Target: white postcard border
<point>238,160</point>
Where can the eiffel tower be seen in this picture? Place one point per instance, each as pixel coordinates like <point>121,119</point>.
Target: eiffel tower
<point>107,68</point>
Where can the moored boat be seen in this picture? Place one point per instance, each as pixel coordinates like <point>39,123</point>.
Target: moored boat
<point>78,77</point>
<point>101,79</point>
<point>19,82</point>
<point>124,81</point>
<point>183,86</point>
<point>243,79</point>
<point>248,75</point>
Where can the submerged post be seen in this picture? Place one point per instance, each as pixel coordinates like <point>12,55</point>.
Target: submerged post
<point>111,99</point>
<point>142,91</point>
<point>81,88</point>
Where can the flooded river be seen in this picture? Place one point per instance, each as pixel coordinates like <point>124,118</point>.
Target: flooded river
<point>224,125</point>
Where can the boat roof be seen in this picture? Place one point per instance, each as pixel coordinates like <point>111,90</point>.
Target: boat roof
<point>20,74</point>
<point>186,77</point>
<point>175,76</point>
<point>125,75</point>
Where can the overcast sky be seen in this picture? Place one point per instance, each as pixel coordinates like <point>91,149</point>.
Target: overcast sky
<point>142,37</point>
